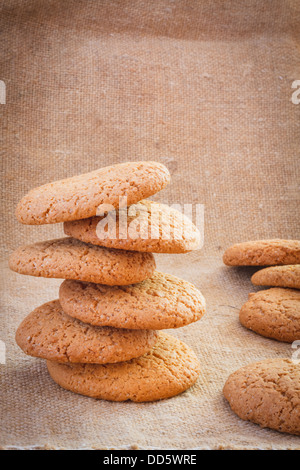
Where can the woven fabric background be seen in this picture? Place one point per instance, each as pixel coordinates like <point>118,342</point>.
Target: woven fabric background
<point>202,86</point>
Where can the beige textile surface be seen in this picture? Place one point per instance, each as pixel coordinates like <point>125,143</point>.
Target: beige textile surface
<point>201,86</point>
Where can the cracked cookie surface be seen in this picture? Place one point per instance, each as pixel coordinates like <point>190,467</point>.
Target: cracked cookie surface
<point>273,313</point>
<point>162,301</point>
<point>267,393</point>
<point>167,370</point>
<point>147,226</point>
<point>263,253</point>
<point>79,197</point>
<point>49,333</point>
<point>279,276</point>
<point>68,258</point>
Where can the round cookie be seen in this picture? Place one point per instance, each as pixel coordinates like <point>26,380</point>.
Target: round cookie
<point>146,226</point>
<point>263,253</point>
<point>279,276</point>
<point>68,258</point>
<point>79,197</point>
<point>267,393</point>
<point>49,333</point>
<point>167,370</point>
<point>162,301</point>
<point>273,313</point>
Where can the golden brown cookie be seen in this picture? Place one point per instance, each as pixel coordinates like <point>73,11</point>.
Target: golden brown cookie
<point>267,393</point>
<point>279,276</point>
<point>79,197</point>
<point>263,253</point>
<point>68,258</point>
<point>167,370</point>
<point>162,301</point>
<point>146,226</point>
<point>49,333</point>
<point>274,313</point>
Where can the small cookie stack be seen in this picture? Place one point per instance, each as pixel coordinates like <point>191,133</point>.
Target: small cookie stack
<point>100,337</point>
<point>273,313</point>
<point>268,392</point>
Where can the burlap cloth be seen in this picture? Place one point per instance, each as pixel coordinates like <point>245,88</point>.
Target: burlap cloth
<point>202,86</point>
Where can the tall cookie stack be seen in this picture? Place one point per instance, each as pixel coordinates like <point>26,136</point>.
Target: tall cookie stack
<point>100,338</point>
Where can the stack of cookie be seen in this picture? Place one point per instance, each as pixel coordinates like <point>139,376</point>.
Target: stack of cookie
<point>268,392</point>
<point>275,312</point>
<point>101,337</point>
